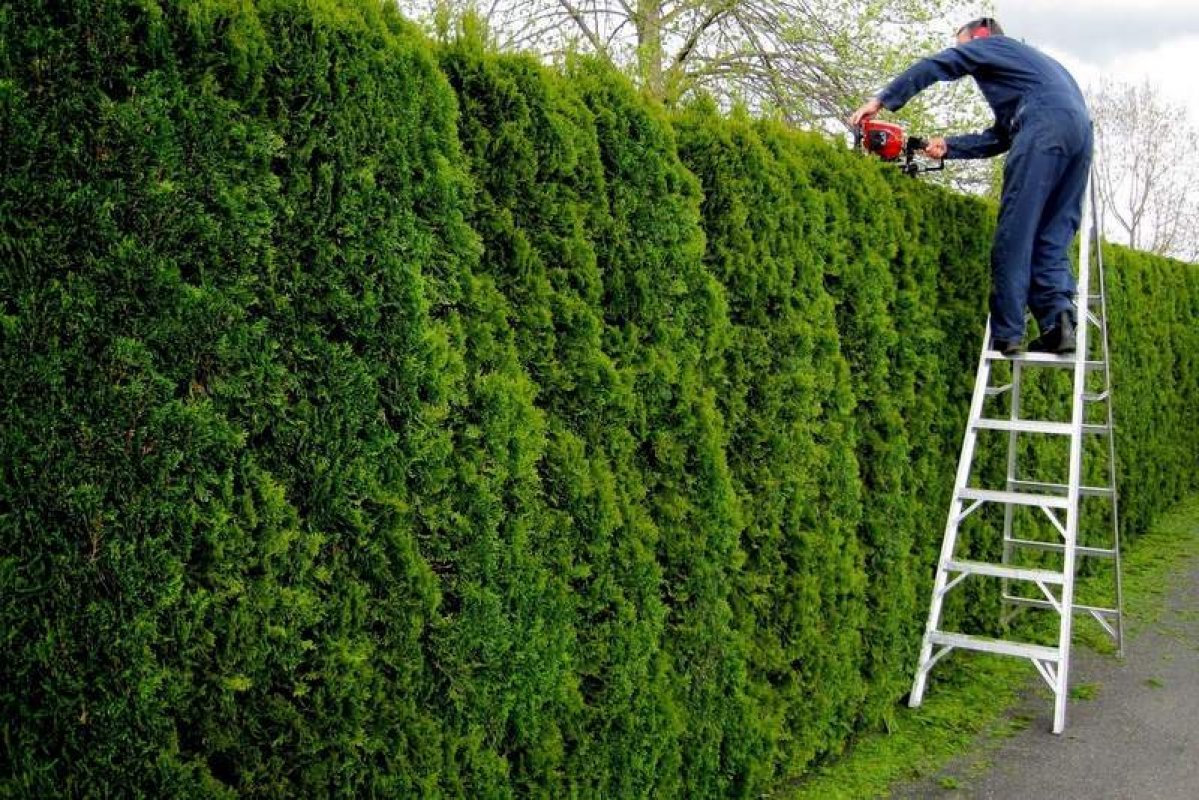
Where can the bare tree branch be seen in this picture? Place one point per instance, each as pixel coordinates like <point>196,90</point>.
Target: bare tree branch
<point>681,56</point>
<point>577,17</point>
<point>1144,170</point>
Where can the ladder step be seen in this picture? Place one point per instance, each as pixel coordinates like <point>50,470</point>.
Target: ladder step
<point>1035,426</point>
<point>1045,359</point>
<point>1058,547</point>
<point>1000,646</point>
<point>1035,602</point>
<point>1004,571</point>
<point>1025,426</point>
<point>1061,488</point>
<point>1014,498</point>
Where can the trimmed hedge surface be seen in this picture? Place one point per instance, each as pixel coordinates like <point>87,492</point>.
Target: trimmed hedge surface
<point>399,421</point>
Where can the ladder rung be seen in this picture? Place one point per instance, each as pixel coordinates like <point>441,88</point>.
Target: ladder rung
<point>1004,571</point>
<point>1037,602</point>
<point>1025,426</point>
<point>1036,426</point>
<point>1045,359</point>
<point>1000,646</point>
<point>1061,488</point>
<point>1058,547</point>
<point>1014,498</point>
<point>1094,298</point>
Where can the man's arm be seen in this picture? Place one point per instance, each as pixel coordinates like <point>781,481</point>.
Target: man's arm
<point>990,142</point>
<point>948,65</point>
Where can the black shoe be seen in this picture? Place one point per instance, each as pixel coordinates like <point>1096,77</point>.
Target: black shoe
<point>1009,347</point>
<point>1060,338</point>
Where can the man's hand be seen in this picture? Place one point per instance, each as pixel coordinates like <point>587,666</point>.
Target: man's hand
<point>867,110</point>
<point>936,147</point>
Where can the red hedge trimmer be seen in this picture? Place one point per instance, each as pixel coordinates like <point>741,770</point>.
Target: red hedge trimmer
<point>886,140</point>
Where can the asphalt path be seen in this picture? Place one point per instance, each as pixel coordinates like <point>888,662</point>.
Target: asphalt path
<point>1135,736</point>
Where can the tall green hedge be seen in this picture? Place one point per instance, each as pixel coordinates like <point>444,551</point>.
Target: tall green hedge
<point>389,420</point>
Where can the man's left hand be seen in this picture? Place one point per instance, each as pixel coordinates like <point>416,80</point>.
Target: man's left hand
<point>936,147</point>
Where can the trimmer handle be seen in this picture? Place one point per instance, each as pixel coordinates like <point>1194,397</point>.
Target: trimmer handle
<point>910,166</point>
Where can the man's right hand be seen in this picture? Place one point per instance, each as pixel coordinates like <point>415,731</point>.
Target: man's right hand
<point>866,111</point>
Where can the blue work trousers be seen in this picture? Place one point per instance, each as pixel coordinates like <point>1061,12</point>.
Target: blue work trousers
<point>1040,210</point>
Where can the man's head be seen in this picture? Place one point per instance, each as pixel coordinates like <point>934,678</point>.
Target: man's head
<point>978,29</point>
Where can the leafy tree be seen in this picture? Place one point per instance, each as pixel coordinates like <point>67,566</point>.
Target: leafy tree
<point>809,62</point>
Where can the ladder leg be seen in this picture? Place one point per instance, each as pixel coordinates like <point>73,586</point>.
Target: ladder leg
<point>926,647</point>
<point>934,609</point>
<point>1062,690</point>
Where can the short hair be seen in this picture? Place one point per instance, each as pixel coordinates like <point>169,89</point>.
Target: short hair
<point>989,23</point>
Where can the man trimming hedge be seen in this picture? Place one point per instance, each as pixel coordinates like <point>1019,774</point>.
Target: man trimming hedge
<point>1041,121</point>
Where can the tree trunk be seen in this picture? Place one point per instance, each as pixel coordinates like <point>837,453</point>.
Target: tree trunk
<point>649,46</point>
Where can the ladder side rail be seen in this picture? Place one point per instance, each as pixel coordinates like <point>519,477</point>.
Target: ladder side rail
<point>1078,415</point>
<point>1111,421</point>
<point>949,539</point>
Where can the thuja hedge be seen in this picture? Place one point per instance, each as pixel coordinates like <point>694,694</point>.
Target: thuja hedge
<point>383,419</point>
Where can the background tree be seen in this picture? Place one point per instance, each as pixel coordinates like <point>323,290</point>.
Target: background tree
<point>808,62</point>
<point>1146,169</point>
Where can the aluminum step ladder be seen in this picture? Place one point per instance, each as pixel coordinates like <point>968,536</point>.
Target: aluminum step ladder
<point>1053,588</point>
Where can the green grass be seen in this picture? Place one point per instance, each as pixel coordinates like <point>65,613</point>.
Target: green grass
<point>1154,683</point>
<point>957,709</point>
<point>972,701</point>
<point>1153,558</point>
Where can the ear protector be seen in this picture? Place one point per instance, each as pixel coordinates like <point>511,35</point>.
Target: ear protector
<point>983,27</point>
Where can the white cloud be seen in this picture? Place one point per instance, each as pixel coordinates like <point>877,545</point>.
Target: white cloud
<point>1118,40</point>
<point>1099,32</point>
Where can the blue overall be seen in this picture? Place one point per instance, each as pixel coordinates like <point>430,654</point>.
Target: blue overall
<point>1041,117</point>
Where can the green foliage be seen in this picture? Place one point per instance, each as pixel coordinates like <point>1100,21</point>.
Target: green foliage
<point>540,188</point>
<point>786,397</point>
<point>383,422</point>
<point>266,421</point>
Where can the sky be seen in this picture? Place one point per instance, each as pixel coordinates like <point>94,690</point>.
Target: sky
<point>1125,40</point>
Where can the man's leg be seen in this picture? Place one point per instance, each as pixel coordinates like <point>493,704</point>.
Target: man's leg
<point>1028,178</point>
<point>1052,287</point>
